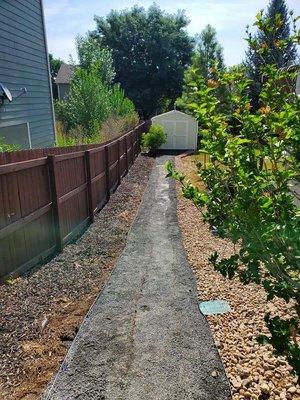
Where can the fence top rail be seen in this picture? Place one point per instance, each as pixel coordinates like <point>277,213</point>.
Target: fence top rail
<point>21,165</point>
<point>17,156</point>
<point>68,156</point>
<point>96,149</point>
<point>114,143</point>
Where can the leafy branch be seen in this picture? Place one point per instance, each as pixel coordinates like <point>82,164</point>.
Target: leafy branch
<point>247,199</point>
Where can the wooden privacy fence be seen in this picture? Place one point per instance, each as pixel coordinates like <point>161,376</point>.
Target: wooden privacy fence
<point>46,202</point>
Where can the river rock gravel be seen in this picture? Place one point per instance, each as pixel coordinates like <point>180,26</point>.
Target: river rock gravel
<point>254,372</point>
<point>41,312</point>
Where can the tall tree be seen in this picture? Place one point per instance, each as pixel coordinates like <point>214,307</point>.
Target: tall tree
<point>207,57</point>
<point>55,64</point>
<point>91,52</point>
<point>208,53</point>
<point>268,48</point>
<point>151,50</point>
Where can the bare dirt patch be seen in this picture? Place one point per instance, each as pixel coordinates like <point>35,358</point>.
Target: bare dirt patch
<point>254,372</point>
<point>41,312</point>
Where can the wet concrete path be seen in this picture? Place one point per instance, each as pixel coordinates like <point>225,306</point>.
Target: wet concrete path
<point>144,338</point>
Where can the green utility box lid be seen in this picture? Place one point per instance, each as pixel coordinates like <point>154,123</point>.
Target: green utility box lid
<point>214,307</point>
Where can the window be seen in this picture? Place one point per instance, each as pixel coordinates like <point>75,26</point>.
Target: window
<point>17,133</point>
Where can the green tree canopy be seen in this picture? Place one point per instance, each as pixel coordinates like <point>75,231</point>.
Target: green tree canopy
<point>207,57</point>
<point>151,50</point>
<point>268,48</point>
<point>90,52</point>
<point>209,53</point>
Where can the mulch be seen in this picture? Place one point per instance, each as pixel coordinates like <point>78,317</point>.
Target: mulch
<point>41,312</point>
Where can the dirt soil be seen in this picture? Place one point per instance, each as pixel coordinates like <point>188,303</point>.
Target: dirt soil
<point>254,372</point>
<point>41,312</point>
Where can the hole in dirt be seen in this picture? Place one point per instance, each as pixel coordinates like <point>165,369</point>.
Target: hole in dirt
<point>69,336</point>
<point>264,396</point>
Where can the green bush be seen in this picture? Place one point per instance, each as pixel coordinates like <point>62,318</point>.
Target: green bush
<point>7,147</point>
<point>153,139</point>
<point>90,103</point>
<point>247,202</point>
<point>119,104</point>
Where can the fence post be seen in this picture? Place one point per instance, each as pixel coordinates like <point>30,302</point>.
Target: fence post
<point>55,202</point>
<point>87,156</point>
<point>136,143</point>
<point>126,155</point>
<point>132,146</point>
<point>119,169</point>
<point>107,172</point>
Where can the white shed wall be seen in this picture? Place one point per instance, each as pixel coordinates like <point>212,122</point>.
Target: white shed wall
<point>181,130</point>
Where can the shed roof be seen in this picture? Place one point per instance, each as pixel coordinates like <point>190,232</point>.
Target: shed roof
<point>65,73</point>
<point>175,112</point>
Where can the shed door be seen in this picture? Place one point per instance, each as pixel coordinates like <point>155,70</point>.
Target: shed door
<point>177,134</point>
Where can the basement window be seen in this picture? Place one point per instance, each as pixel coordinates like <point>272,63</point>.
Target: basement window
<point>16,133</point>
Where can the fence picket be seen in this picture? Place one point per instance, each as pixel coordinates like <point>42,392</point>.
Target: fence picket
<point>58,191</point>
<point>89,184</point>
<point>55,202</point>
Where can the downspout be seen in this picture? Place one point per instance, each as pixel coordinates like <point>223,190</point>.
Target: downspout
<point>48,66</point>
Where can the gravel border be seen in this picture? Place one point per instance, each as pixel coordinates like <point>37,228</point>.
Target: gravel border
<point>41,312</point>
<point>254,372</point>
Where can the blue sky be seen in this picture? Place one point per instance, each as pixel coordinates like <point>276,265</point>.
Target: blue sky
<point>67,18</point>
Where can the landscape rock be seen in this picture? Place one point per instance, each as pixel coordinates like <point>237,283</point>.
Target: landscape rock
<point>235,332</point>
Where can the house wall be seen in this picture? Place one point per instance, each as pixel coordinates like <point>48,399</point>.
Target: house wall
<point>63,90</point>
<point>24,63</point>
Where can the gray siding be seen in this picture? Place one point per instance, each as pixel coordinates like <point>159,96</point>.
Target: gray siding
<point>24,63</point>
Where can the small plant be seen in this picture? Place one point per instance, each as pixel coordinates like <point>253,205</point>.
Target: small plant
<point>7,147</point>
<point>152,140</point>
<point>10,281</point>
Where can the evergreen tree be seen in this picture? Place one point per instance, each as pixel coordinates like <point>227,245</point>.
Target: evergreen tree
<point>280,17</point>
<point>208,53</point>
<point>208,56</point>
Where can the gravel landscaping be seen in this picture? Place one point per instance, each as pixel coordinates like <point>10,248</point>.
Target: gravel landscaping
<point>254,372</point>
<point>41,312</point>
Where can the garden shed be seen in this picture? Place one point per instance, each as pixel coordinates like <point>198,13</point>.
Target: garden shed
<point>181,130</point>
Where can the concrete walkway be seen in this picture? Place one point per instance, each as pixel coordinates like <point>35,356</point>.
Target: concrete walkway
<point>144,338</point>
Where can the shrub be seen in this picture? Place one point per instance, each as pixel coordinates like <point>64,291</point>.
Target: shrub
<point>115,126</point>
<point>7,147</point>
<point>246,202</point>
<point>75,137</point>
<point>119,104</point>
<point>90,103</point>
<point>153,139</point>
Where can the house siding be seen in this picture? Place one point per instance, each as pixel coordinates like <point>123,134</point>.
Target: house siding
<point>24,63</point>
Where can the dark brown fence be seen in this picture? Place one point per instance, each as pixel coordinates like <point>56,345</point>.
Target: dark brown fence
<point>24,155</point>
<point>46,202</point>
